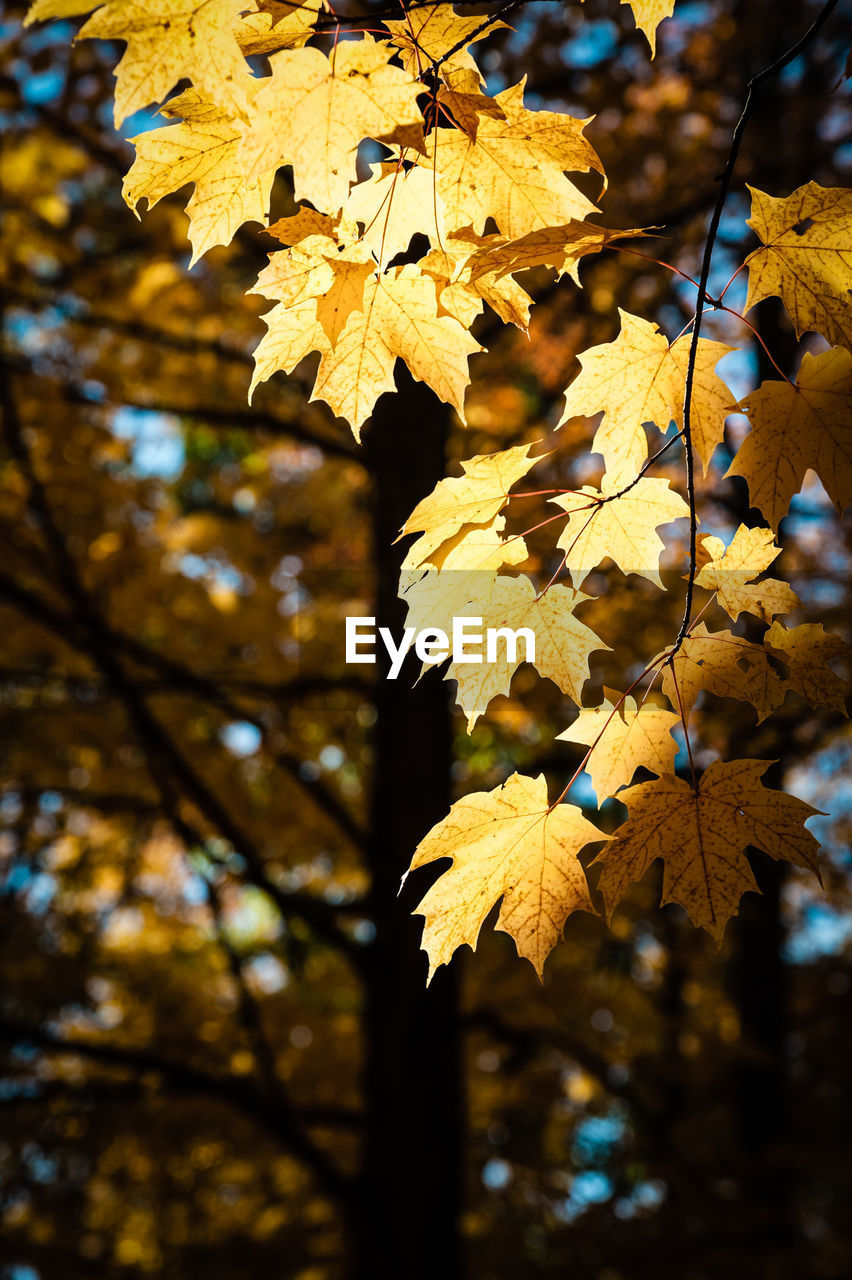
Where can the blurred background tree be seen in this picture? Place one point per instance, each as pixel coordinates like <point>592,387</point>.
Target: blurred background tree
<point>220,1058</point>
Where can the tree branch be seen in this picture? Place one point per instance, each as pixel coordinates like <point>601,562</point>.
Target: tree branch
<point>724,186</point>
<point>285,1125</point>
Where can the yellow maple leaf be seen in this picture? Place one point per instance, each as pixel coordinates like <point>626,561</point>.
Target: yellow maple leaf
<point>479,547</point>
<point>807,650</point>
<point>293,332</point>
<point>474,498</point>
<point>460,572</point>
<point>639,378</point>
<point>393,205</point>
<point>806,258</point>
<point>281,25</point>
<point>317,267</point>
<point>648,15</point>
<point>308,222</point>
<point>399,318</point>
<point>314,111</point>
<point>562,643</point>
<point>559,247</point>
<point>463,286</point>
<point>622,528</point>
<point>725,665</point>
<point>462,97</point>
<point>513,170</point>
<point>702,838</point>
<point>425,35</point>
<point>203,149</point>
<point>505,844</point>
<point>167,42</point>
<point>625,738</point>
<point>730,572</point>
<point>794,428</point>
<point>42,10</point>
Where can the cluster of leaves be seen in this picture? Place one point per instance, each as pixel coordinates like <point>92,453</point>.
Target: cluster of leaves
<point>455,163</point>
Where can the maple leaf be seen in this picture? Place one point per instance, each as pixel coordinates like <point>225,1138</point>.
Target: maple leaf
<point>293,332</point>
<point>807,650</point>
<point>507,844</point>
<point>393,205</point>
<point>625,738</point>
<point>806,258</point>
<point>398,318</point>
<point>175,39</point>
<point>622,527</point>
<point>461,97</point>
<point>702,835</point>
<point>426,35</point>
<point>281,25</point>
<point>559,247</point>
<point>203,149</point>
<point>463,287</point>
<point>562,643</point>
<point>648,15</point>
<point>42,10</point>
<point>478,547</point>
<point>313,112</point>
<point>455,575</point>
<point>513,170</point>
<point>639,378</point>
<point>725,665</point>
<point>794,428</point>
<point>474,498</point>
<point>317,267</point>
<point>730,572</point>
<point>308,222</point>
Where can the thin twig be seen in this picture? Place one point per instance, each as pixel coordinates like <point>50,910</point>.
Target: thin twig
<point>725,183</point>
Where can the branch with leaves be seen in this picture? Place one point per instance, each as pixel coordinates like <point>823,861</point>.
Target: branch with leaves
<point>347,284</point>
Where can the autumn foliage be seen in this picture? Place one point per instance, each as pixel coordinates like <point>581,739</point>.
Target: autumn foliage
<point>451,166</point>
<point>424,311</point>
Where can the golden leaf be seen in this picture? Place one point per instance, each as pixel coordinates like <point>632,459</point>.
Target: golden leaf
<point>806,651</point>
<point>281,25</point>
<point>471,499</point>
<point>313,112</point>
<point>317,268</point>
<point>730,572</point>
<point>463,286</point>
<point>461,571</point>
<point>425,35</point>
<point>513,170</point>
<point>203,149</point>
<point>625,738</point>
<point>648,15</point>
<point>725,665</point>
<point>794,428</point>
<point>639,378</point>
<point>393,205</point>
<point>167,42</point>
<point>559,247</point>
<point>622,528</point>
<point>505,844</point>
<point>562,643</point>
<point>702,838</point>
<point>400,318</point>
<point>461,95</point>
<point>806,258</point>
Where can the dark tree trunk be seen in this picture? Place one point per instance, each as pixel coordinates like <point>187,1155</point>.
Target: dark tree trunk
<point>408,1209</point>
